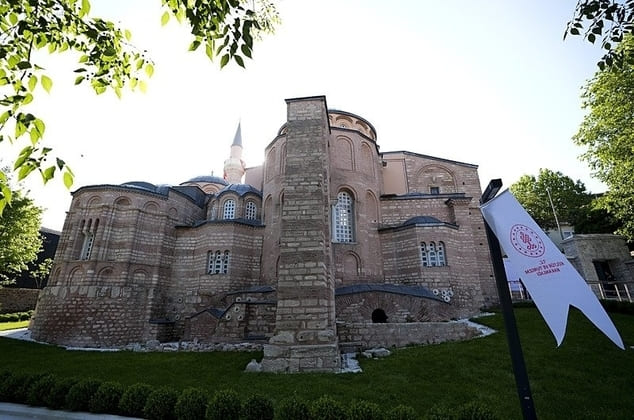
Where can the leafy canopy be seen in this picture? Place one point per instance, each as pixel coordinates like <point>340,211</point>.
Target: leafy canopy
<point>569,198</point>
<point>607,133</point>
<point>107,60</point>
<point>606,20</point>
<point>20,239</point>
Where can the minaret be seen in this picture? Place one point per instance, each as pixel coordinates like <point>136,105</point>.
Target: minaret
<point>234,166</point>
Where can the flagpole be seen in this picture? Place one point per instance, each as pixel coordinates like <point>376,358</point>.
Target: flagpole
<point>510,325</point>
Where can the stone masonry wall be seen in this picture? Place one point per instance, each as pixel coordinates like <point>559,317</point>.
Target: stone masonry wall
<point>400,335</point>
<point>17,300</point>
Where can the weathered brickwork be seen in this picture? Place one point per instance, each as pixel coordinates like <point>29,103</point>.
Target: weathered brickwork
<point>213,260</point>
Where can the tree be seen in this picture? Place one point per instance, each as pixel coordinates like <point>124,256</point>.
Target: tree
<point>596,219</point>
<point>20,239</point>
<point>607,132</point>
<point>569,198</point>
<point>607,20</point>
<point>107,60</point>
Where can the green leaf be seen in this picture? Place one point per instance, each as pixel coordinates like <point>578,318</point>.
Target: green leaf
<point>246,50</point>
<point>60,163</point>
<point>79,79</point>
<point>68,179</point>
<point>39,126</point>
<point>117,91</point>
<point>85,8</point>
<point>23,65</point>
<point>194,45</point>
<point>48,174</point>
<point>35,136</point>
<point>142,86</point>
<point>5,116</point>
<point>20,129</point>
<point>47,83</point>
<point>165,18</point>
<point>22,157</point>
<point>25,170</point>
<point>28,98</point>
<point>591,38</point>
<point>127,34</point>
<point>149,69</point>
<point>32,82</point>
<point>224,60</point>
<point>239,60</point>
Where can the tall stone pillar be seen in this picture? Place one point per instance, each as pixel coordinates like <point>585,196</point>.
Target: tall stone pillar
<point>305,338</point>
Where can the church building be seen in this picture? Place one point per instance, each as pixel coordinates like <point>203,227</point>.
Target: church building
<point>328,236</point>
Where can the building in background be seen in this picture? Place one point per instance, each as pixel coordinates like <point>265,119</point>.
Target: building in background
<point>328,236</point>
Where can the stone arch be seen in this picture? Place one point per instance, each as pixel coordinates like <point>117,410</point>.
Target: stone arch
<point>372,207</point>
<point>351,266</point>
<point>268,210</point>
<point>139,277</point>
<point>379,316</point>
<point>54,278</point>
<point>343,121</point>
<point>283,158</point>
<point>75,276</point>
<point>367,159</point>
<point>122,201</point>
<point>173,213</point>
<point>229,207</point>
<point>105,274</point>
<point>435,176</point>
<point>344,155</point>
<point>94,201</point>
<point>151,207</point>
<point>270,163</point>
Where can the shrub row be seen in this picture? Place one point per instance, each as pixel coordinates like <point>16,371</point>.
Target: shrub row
<point>16,316</point>
<point>142,400</point>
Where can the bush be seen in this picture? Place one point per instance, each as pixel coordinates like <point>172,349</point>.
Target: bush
<point>56,397</point>
<point>16,316</point>
<point>257,407</point>
<point>191,405</point>
<point>225,404</point>
<point>80,394</point>
<point>160,404</point>
<point>106,399</point>
<point>614,306</point>
<point>293,408</point>
<point>363,410</point>
<point>39,390</point>
<point>133,400</point>
<point>327,408</point>
<point>402,412</point>
<point>5,379</point>
<point>17,387</point>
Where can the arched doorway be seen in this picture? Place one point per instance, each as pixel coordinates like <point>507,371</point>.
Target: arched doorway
<point>379,316</point>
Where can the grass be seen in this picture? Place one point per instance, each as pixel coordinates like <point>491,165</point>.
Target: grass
<point>587,377</point>
<point>4,326</point>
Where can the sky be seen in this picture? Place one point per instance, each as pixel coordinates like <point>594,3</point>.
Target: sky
<point>485,82</point>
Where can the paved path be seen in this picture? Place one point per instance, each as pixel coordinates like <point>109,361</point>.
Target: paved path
<point>10,411</point>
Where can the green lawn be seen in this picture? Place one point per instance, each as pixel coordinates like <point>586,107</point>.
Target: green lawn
<point>13,325</point>
<point>587,377</point>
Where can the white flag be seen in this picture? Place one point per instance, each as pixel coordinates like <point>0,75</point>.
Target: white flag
<point>551,280</point>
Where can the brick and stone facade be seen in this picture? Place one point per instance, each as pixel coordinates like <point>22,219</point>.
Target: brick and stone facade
<point>328,231</point>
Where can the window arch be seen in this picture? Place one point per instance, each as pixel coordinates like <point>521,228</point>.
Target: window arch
<point>440,254</point>
<point>218,262</point>
<point>250,210</point>
<point>343,218</point>
<point>229,210</point>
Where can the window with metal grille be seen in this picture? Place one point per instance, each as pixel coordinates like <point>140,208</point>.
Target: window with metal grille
<point>229,210</point>
<point>343,218</point>
<point>250,211</point>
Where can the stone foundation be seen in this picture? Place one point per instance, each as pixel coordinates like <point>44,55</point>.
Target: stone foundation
<point>301,358</point>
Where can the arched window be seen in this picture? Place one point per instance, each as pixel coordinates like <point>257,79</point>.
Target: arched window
<point>225,262</point>
<point>88,230</point>
<point>214,211</point>
<point>440,254</point>
<point>431,254</point>
<point>229,210</point>
<point>218,262</point>
<point>423,254</point>
<point>343,218</point>
<point>250,211</point>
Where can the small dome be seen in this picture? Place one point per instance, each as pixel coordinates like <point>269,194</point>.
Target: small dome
<point>141,185</point>
<point>209,179</point>
<point>240,189</point>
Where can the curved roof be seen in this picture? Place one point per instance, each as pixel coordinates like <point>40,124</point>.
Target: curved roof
<point>147,186</point>
<point>422,220</point>
<point>240,189</point>
<point>208,178</point>
<point>399,289</point>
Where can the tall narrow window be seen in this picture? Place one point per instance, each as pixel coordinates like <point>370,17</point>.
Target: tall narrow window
<point>214,211</point>
<point>423,254</point>
<point>343,218</point>
<point>88,231</point>
<point>431,254</point>
<point>229,210</point>
<point>250,211</point>
<point>218,262</point>
<point>440,254</point>
<point>225,262</point>
<point>210,262</point>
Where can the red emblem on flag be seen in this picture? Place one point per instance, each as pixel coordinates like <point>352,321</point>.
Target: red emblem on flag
<point>526,241</point>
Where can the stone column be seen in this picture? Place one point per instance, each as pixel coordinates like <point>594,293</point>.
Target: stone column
<point>305,338</point>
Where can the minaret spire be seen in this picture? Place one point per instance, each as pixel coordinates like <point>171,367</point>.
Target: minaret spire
<point>234,166</point>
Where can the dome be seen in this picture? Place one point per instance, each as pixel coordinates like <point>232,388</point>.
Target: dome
<point>240,189</point>
<point>208,179</point>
